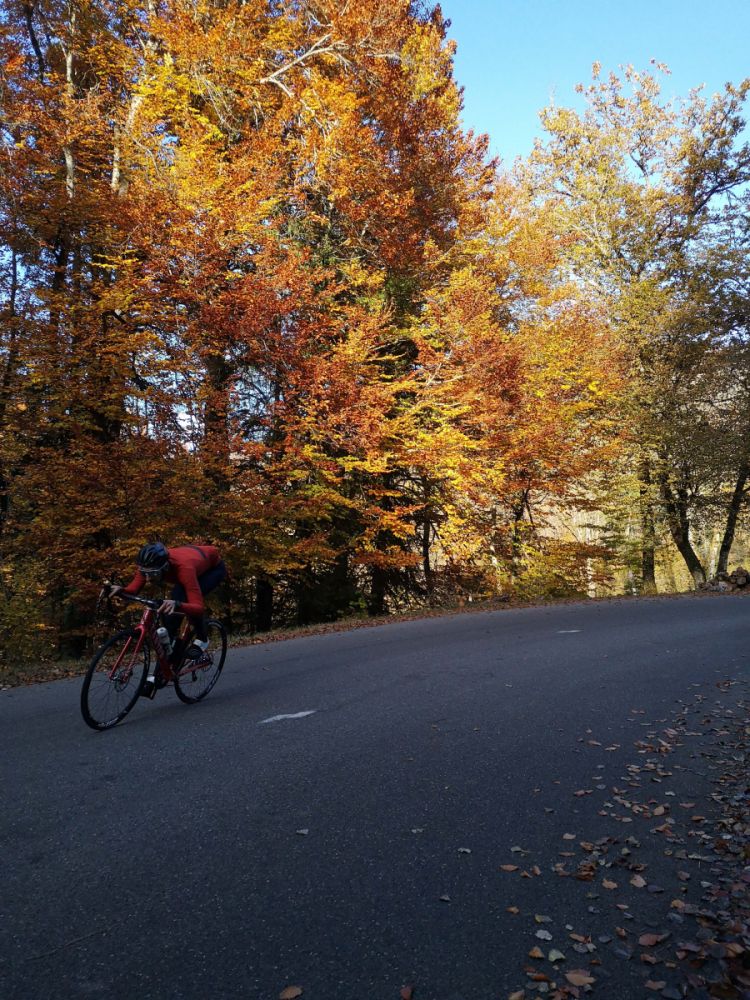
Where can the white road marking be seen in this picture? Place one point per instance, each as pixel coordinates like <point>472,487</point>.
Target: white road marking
<point>569,631</point>
<point>279,718</point>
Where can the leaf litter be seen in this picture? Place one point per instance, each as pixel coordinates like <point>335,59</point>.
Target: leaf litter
<point>712,959</point>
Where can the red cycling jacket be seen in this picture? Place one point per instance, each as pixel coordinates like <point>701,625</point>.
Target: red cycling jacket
<point>186,564</point>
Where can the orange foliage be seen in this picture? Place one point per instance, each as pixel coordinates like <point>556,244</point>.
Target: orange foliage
<point>256,289</point>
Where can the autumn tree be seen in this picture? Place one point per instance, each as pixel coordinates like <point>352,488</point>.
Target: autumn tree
<point>536,370</point>
<point>219,223</point>
<point>642,188</point>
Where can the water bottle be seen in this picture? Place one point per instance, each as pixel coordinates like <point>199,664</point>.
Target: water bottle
<point>164,641</point>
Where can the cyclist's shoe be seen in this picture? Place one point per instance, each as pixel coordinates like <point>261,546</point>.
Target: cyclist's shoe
<point>152,685</point>
<point>197,650</point>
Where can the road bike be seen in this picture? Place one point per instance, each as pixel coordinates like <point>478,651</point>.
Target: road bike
<point>120,670</point>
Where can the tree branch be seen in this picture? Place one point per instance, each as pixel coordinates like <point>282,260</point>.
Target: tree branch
<point>28,11</point>
<point>318,48</point>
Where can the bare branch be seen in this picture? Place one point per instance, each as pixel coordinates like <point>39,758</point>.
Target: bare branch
<point>318,48</point>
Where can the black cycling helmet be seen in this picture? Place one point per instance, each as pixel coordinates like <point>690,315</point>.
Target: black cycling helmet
<point>152,558</point>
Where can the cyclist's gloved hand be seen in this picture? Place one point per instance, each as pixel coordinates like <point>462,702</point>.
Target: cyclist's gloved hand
<point>168,607</point>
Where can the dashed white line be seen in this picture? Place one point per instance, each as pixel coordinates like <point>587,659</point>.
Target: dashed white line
<point>280,718</point>
<point>569,631</point>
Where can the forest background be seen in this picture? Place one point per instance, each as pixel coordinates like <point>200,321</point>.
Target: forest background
<point>259,287</point>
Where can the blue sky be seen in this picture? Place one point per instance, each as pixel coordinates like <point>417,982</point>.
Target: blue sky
<point>514,56</point>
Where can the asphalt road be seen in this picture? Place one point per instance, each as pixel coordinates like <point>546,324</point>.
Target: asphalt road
<point>206,853</point>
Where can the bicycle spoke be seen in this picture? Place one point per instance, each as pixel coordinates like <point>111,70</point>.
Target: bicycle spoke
<point>114,681</point>
<point>195,679</point>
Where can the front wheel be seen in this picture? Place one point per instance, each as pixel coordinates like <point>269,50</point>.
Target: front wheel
<point>114,680</point>
<point>195,678</point>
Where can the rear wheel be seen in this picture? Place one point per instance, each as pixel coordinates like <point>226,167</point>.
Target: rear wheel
<point>114,680</point>
<point>195,678</point>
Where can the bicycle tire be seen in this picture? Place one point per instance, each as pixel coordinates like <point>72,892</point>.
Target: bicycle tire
<point>128,681</point>
<point>193,683</point>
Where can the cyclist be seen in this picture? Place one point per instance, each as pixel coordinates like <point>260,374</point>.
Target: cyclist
<point>193,570</point>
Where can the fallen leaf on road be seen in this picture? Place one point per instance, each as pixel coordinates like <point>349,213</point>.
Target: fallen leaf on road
<point>568,836</point>
<point>652,985</point>
<point>556,956</point>
<point>542,919</point>
<point>445,899</point>
<point>543,935</point>
<point>536,952</point>
<point>512,909</point>
<point>608,884</point>
<point>407,992</point>
<point>464,850</point>
<point>649,940</point>
<point>508,868</point>
<point>518,995</point>
<point>291,993</point>
<point>579,977</point>
<point>638,881</point>
<point>302,833</point>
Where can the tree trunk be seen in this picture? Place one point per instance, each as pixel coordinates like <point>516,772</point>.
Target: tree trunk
<point>732,514</point>
<point>263,604</point>
<point>676,506</point>
<point>516,538</point>
<point>381,576</point>
<point>648,531</point>
<point>429,576</point>
<point>216,421</point>
<point>425,534</point>
<point>9,373</point>
<point>378,587</point>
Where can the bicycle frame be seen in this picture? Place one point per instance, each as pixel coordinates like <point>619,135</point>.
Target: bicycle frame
<point>146,629</point>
